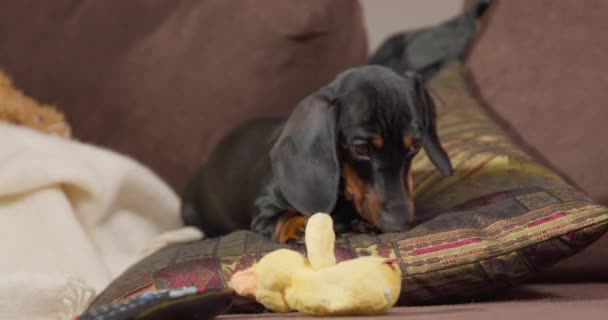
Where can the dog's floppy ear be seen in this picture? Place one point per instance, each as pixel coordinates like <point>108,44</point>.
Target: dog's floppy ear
<point>430,140</point>
<point>304,158</point>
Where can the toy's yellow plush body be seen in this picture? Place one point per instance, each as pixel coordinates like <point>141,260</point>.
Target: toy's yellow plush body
<point>284,280</point>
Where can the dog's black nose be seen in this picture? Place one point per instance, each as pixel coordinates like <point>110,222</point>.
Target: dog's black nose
<point>395,219</point>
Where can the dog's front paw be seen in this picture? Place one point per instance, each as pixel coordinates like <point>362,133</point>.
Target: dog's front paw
<point>362,226</point>
<point>290,228</point>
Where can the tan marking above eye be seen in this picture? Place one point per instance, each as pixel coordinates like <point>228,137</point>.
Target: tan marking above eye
<point>408,141</point>
<point>377,141</point>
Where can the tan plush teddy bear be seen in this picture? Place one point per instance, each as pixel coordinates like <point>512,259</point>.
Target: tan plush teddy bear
<point>19,109</point>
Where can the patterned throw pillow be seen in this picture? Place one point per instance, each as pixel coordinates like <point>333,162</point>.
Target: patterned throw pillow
<point>497,221</point>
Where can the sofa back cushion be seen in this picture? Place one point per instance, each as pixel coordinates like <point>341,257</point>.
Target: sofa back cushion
<point>162,81</point>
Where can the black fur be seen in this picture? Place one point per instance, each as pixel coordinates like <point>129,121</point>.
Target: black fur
<point>429,49</point>
<point>265,167</point>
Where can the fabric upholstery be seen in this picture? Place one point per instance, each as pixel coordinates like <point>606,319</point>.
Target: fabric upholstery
<point>496,222</point>
<point>539,66</point>
<point>539,69</point>
<point>550,302</point>
<point>162,81</point>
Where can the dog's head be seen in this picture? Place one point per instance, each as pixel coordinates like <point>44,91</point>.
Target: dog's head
<point>359,134</point>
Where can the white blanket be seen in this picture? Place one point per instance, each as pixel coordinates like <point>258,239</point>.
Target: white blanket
<point>73,217</point>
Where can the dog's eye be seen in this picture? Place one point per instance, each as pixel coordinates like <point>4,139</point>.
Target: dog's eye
<point>362,150</point>
<point>414,149</point>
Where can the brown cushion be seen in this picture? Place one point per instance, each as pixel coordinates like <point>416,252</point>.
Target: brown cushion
<point>500,219</point>
<point>163,80</point>
<point>589,266</point>
<point>547,302</point>
<point>540,67</point>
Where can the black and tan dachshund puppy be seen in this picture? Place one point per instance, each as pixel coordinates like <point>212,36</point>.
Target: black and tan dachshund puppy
<point>345,149</point>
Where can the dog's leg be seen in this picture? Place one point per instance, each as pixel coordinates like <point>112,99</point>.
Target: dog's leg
<point>290,228</point>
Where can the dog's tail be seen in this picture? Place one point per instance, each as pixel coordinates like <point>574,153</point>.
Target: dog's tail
<point>480,7</point>
<point>427,50</point>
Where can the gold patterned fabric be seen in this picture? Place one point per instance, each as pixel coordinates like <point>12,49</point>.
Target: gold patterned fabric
<point>500,219</point>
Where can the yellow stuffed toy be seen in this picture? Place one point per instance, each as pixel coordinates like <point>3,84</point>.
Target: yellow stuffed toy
<point>284,280</point>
